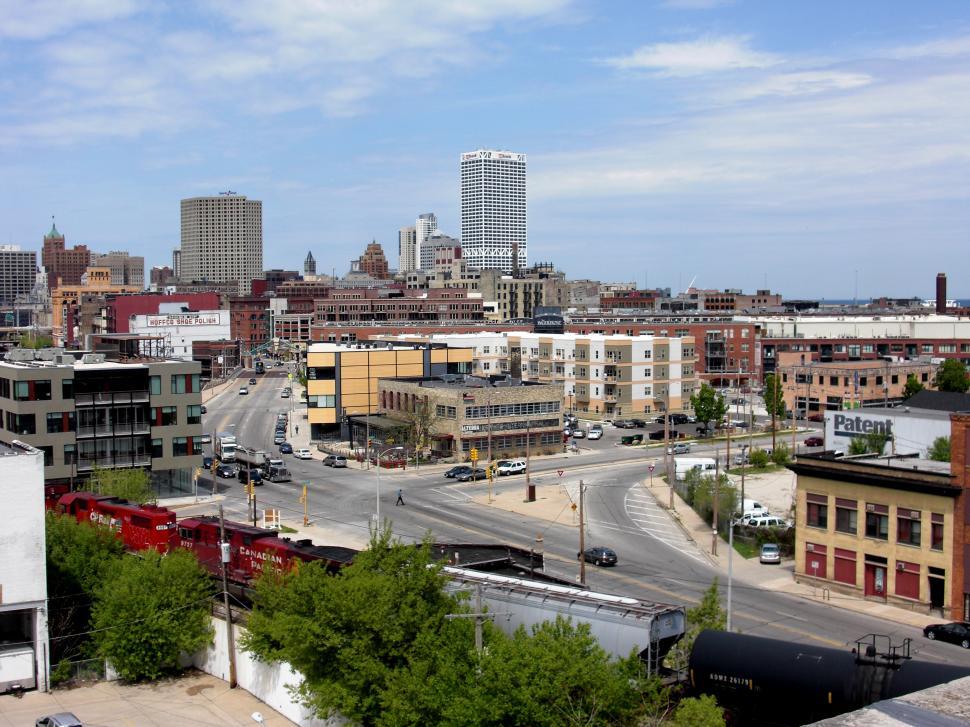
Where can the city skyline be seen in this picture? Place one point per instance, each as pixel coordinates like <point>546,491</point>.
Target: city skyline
<point>689,139</point>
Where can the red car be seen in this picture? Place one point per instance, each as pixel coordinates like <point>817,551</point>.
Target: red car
<point>814,441</point>
<point>816,417</point>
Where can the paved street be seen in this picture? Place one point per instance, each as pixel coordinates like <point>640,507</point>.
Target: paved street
<point>657,560</point>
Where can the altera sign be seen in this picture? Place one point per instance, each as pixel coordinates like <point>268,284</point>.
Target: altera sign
<point>848,425</point>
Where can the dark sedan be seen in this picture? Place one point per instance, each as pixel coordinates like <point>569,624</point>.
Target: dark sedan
<point>472,474</point>
<point>286,448</point>
<point>459,470</point>
<point>226,471</point>
<point>600,555</point>
<point>957,632</point>
<point>814,441</point>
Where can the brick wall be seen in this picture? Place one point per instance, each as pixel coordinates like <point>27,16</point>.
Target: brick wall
<point>959,447</point>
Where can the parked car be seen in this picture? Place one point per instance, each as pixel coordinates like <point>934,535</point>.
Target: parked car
<point>61,719</point>
<point>770,553</point>
<point>510,467</point>
<point>279,438</point>
<point>252,381</point>
<point>595,434</point>
<point>679,448</point>
<point>579,434</point>
<point>816,417</point>
<point>740,423</point>
<point>206,439</point>
<point>243,390</point>
<point>203,409</point>
<point>458,470</point>
<point>622,424</point>
<point>286,448</point>
<point>226,471</point>
<point>814,442</point>
<point>473,474</point>
<point>334,460</point>
<point>679,419</point>
<point>303,453</point>
<point>285,394</point>
<point>769,521</point>
<point>638,423</point>
<point>600,555</point>
<point>956,632</point>
<point>207,462</point>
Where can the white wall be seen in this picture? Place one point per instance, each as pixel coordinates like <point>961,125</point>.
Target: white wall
<point>266,682</point>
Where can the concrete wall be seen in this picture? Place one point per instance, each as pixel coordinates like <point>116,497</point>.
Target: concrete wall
<point>267,682</point>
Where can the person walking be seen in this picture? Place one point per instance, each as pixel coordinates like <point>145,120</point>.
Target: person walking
<point>400,497</point>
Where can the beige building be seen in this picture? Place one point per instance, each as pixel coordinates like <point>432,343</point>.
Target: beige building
<point>342,379</point>
<point>92,412</point>
<point>498,417</point>
<point>517,297</point>
<point>125,269</point>
<point>222,240</point>
<point>601,375</point>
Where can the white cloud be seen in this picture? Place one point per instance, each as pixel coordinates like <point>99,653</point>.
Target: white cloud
<point>695,4</point>
<point>802,83</point>
<point>695,57</point>
<point>36,19</point>
<point>940,48</point>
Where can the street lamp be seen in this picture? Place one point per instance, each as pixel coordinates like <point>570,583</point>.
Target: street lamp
<point>380,454</point>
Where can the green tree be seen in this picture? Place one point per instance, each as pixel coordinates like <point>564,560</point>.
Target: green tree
<point>707,614</point>
<point>131,484</point>
<point>774,395</point>
<point>858,445</point>
<point>420,427</point>
<point>727,500</point>
<point>952,376</point>
<point>699,711</point>
<point>913,386</point>
<point>79,555</point>
<point>780,454</point>
<point>876,442</point>
<point>150,609</point>
<point>759,458</point>
<point>708,405</point>
<point>35,341</point>
<point>940,449</point>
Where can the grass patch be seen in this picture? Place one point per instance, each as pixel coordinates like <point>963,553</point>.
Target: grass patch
<point>745,549</point>
<point>287,529</point>
<point>755,470</point>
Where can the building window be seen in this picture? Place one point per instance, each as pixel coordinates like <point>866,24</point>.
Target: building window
<point>60,421</point>
<point>21,423</point>
<point>818,511</point>
<point>67,389</point>
<point>32,390</point>
<point>195,444</point>
<point>845,516</point>
<point>5,388</point>
<point>178,383</point>
<point>180,446</point>
<point>321,401</point>
<point>877,521</point>
<point>908,527</point>
<point>936,531</point>
<point>321,373</point>
<point>194,414</point>
<point>48,456</point>
<point>156,448</point>
<point>70,454</point>
<point>164,416</point>
<point>155,385</point>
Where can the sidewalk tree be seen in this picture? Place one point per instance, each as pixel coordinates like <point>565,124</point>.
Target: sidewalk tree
<point>708,405</point>
<point>774,397</point>
<point>134,484</point>
<point>149,610</point>
<point>420,426</point>
<point>940,449</point>
<point>912,387</point>
<point>952,376</point>
<point>708,614</point>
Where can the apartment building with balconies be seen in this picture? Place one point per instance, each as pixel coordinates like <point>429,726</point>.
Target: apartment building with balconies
<point>90,412</point>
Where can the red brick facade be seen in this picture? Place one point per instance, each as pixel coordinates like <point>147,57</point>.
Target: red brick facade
<point>959,448</point>
<point>61,263</point>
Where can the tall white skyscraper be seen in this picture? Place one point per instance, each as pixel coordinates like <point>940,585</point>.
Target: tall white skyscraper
<point>222,240</point>
<point>407,250</point>
<point>493,209</point>
<point>424,227</point>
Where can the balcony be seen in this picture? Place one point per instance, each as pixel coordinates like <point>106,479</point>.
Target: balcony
<point>109,399</point>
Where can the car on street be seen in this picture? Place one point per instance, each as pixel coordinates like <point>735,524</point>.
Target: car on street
<point>243,390</point>
<point>207,462</point>
<point>303,453</point>
<point>206,439</point>
<point>203,409</point>
<point>286,448</point>
<point>770,553</point>
<point>510,467</point>
<point>473,474</point>
<point>334,460</point>
<point>768,521</point>
<point>252,381</point>
<point>814,441</point>
<point>279,438</point>
<point>679,448</point>
<point>739,423</point>
<point>679,419</point>
<point>61,719</point>
<point>600,555</point>
<point>226,471</point>
<point>579,433</point>
<point>595,433</point>
<point>458,470</point>
<point>622,424</point>
<point>816,417</point>
<point>285,394</point>
<point>956,632</point>
<point>638,423</point>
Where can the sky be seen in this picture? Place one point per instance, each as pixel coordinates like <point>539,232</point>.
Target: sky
<point>799,145</point>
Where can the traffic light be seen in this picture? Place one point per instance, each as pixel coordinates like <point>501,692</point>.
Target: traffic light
<point>473,454</point>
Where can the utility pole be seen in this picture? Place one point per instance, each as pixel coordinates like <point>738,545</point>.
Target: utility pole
<point>230,637</point>
<point>479,615</point>
<point>582,535</point>
<point>774,406</point>
<point>671,476</point>
<point>730,571</point>
<point>530,490</point>
<point>252,496</point>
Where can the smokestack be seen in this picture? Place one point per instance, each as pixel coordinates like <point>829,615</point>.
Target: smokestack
<point>941,293</point>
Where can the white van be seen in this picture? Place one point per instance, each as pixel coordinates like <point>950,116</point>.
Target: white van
<point>769,521</point>
<point>754,506</point>
<point>683,465</point>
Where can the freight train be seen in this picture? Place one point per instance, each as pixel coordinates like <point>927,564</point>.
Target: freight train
<point>252,550</point>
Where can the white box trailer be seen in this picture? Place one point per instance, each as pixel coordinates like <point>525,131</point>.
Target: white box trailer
<point>683,465</point>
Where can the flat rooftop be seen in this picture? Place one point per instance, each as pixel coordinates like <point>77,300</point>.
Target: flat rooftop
<point>898,412</point>
<point>460,381</point>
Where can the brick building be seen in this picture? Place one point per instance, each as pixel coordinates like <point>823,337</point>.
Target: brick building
<point>372,262</point>
<point>628,300</point>
<point>249,321</point>
<point>74,307</point>
<point>364,306</point>
<point>119,309</point>
<point>64,266</point>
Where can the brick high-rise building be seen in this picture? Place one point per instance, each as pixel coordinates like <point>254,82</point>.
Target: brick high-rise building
<point>222,240</point>
<point>161,275</point>
<point>372,262</point>
<point>64,266</point>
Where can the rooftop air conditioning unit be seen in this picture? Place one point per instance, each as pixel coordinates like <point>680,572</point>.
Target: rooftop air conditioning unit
<point>92,358</point>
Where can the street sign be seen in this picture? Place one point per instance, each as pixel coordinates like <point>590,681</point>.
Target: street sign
<point>651,467</point>
<point>560,472</point>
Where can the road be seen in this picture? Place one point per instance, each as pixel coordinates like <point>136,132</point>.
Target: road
<point>656,562</point>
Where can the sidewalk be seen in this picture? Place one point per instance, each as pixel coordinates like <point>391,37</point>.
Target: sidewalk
<point>192,699</point>
<point>769,576</point>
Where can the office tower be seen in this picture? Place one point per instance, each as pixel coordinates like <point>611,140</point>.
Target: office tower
<point>18,272</point>
<point>372,262</point>
<point>424,227</point>
<point>126,269</point>
<point>493,209</point>
<point>309,265</point>
<point>222,240</point>
<point>438,248</point>
<point>407,249</point>
<point>63,266</point>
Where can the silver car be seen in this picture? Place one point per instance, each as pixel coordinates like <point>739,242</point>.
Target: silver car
<point>334,460</point>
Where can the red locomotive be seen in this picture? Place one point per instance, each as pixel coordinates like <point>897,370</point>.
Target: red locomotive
<point>252,550</point>
<point>140,527</point>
